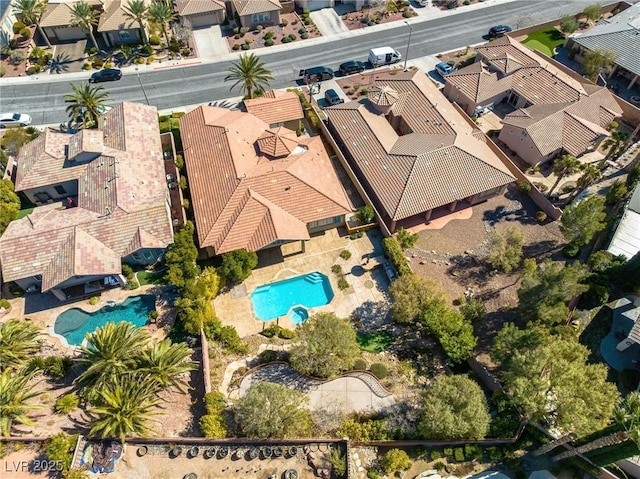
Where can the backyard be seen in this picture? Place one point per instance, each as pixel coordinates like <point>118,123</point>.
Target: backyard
<point>545,41</point>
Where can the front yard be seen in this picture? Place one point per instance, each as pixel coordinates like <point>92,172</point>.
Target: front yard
<point>368,17</point>
<point>545,41</point>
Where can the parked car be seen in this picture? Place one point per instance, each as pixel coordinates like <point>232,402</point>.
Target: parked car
<point>351,67</point>
<point>108,74</point>
<point>499,31</point>
<point>332,97</point>
<point>14,119</point>
<point>316,74</point>
<point>444,68</point>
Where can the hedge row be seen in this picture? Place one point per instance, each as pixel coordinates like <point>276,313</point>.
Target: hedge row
<point>392,248</point>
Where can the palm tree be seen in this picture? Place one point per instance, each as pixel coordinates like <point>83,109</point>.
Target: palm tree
<point>628,416</point>
<point>166,363</point>
<point>19,341</point>
<point>30,12</point>
<point>136,10</point>
<point>590,174</point>
<point>110,353</point>
<point>125,407</point>
<point>250,73</point>
<point>15,390</point>
<point>615,142</point>
<point>87,103</point>
<point>567,165</point>
<point>84,16</point>
<point>161,13</point>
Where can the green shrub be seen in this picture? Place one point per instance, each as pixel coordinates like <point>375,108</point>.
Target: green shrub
<point>458,454</point>
<point>379,370</point>
<point>302,30</point>
<point>245,46</point>
<point>284,22</point>
<point>286,40</point>
<point>336,269</point>
<point>5,304</point>
<point>406,239</point>
<point>236,46</point>
<point>154,40</point>
<point>364,91</point>
<point>360,365</point>
<point>127,271</point>
<point>448,452</point>
<point>17,27</point>
<point>407,14</point>
<point>244,30</point>
<point>524,187</point>
<point>94,300</point>
<point>165,126</point>
<point>494,453</point>
<point>308,21</point>
<point>60,448</point>
<point>57,366</point>
<point>271,331</point>
<point>373,474</point>
<point>571,250</point>
<point>440,466</point>
<point>541,216</point>
<point>304,35</point>
<point>133,284</point>
<point>213,426</point>
<point>67,404</point>
<point>268,356</point>
<point>152,316</point>
<point>269,42</point>
<point>285,333</point>
<point>25,33</point>
<point>345,254</point>
<point>3,69</point>
<point>435,455</point>
<point>17,56</point>
<point>343,283</point>
<point>392,248</point>
<point>366,214</point>
<point>33,69</point>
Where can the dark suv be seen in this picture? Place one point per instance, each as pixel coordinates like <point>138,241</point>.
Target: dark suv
<point>499,31</point>
<point>349,68</point>
<point>316,74</point>
<point>332,97</point>
<point>108,74</point>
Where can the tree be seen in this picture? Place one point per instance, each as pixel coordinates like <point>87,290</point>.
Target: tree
<point>505,251</point>
<point>273,410</point>
<point>626,415</point>
<point>19,342</point>
<point>180,258</point>
<point>567,165</point>
<point>14,138</point>
<point>161,13</point>
<point>569,24</point>
<point>250,73</point>
<point>596,61</point>
<point>86,103</point>
<point>16,390</point>
<point>454,407</point>
<point>395,460</point>
<point>454,333</point>
<point>550,379</point>
<point>593,12</point>
<point>366,214</point>
<point>30,13</point>
<point>583,219</point>
<point>9,204</point>
<point>617,192</point>
<point>136,10</point>
<point>125,407</point>
<point>411,294</point>
<point>590,174</point>
<point>546,288</point>
<point>473,310</point>
<point>166,363</point>
<point>86,17</point>
<point>237,265</point>
<point>325,345</point>
<point>111,352</point>
<point>406,239</point>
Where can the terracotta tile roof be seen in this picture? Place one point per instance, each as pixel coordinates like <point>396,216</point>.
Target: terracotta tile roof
<point>478,83</point>
<point>122,200</point>
<point>249,7</point>
<point>437,160</point>
<point>278,142</point>
<point>243,198</point>
<point>276,107</point>
<point>193,7</point>
<point>59,14</point>
<point>383,95</point>
<point>114,17</point>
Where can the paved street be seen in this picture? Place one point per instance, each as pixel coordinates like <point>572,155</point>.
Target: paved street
<point>42,95</point>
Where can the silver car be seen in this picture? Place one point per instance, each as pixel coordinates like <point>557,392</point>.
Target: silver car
<point>14,119</point>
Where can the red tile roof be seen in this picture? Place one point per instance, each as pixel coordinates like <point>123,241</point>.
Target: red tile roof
<point>122,200</point>
<point>194,7</point>
<point>242,196</point>
<point>276,106</point>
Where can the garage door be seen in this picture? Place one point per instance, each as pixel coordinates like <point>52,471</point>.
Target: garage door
<point>69,34</point>
<point>204,20</point>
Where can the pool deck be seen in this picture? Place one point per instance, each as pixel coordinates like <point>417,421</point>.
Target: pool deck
<point>367,286</point>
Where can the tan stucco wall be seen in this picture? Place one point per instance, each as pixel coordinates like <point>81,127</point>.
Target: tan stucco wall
<point>522,144</point>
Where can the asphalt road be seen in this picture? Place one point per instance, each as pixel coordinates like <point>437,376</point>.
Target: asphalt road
<point>172,88</point>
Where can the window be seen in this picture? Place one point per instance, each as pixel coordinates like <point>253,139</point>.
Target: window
<point>261,17</point>
<point>60,190</point>
<point>124,35</point>
<point>324,222</point>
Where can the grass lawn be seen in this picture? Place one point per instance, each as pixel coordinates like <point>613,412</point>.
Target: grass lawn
<point>151,277</point>
<point>545,41</point>
<point>24,212</point>
<point>374,342</point>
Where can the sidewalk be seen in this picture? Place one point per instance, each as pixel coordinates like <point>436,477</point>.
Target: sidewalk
<point>425,14</point>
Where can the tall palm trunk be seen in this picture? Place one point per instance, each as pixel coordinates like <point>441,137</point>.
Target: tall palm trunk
<point>553,444</point>
<point>93,38</point>
<point>610,440</point>
<point>555,185</point>
<point>142,32</point>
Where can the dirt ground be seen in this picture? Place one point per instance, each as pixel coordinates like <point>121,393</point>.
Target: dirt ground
<point>294,24</point>
<point>354,20</point>
<point>453,256</point>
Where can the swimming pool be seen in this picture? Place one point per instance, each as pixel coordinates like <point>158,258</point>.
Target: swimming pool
<point>273,300</point>
<point>75,323</point>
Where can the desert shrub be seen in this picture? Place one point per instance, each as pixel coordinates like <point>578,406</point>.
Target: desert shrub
<point>59,449</point>
<point>568,188</point>
<point>286,40</point>
<point>285,333</point>
<point>379,370</point>
<point>571,250</point>
<point>94,300</point>
<point>150,60</point>
<point>236,30</point>
<point>244,30</point>
<point>17,27</point>
<point>57,367</point>
<point>268,356</point>
<point>17,56</point>
<point>307,21</point>
<point>458,454</point>
<point>406,239</point>
<point>435,455</point>
<point>86,66</point>
<point>133,284</point>
<point>364,91</point>
<point>3,70</point>
<point>336,269</point>
<point>343,283</point>
<point>541,216</point>
<point>4,303</point>
<point>25,33</point>
<point>33,69</point>
<point>373,474</point>
<point>268,42</point>
<point>392,248</point>
<point>345,254</point>
<point>360,365</point>
<point>304,35</point>
<point>269,35</point>
<point>127,271</point>
<point>185,52</point>
<point>284,22</point>
<point>293,37</point>
<point>245,46</point>
<point>98,62</point>
<point>524,187</point>
<point>271,331</point>
<point>236,46</point>
<point>407,14</point>
<point>153,315</point>
<point>67,404</point>
<point>154,40</point>
<point>259,28</point>
<point>302,30</point>
<point>146,50</point>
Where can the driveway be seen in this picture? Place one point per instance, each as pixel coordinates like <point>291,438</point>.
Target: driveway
<point>209,43</point>
<point>328,22</point>
<point>68,57</point>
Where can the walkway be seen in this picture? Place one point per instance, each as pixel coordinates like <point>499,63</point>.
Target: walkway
<point>355,392</point>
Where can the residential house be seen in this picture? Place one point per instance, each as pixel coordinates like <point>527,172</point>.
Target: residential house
<point>277,108</point>
<point>555,113</point>
<point>202,13</point>
<point>627,316</point>
<point>256,187</point>
<point>257,12</point>
<point>56,22</point>
<point>619,34</point>
<point>626,238</point>
<point>104,200</point>
<point>319,4</point>
<point>114,25</point>
<point>414,153</point>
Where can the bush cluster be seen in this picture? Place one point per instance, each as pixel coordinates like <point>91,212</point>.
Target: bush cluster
<point>379,370</point>
<point>275,330</point>
<point>392,248</point>
<point>213,424</point>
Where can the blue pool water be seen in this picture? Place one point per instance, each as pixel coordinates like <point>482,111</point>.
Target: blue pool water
<point>298,315</point>
<point>75,323</point>
<point>273,300</point>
